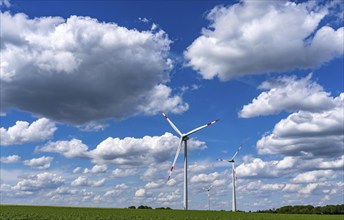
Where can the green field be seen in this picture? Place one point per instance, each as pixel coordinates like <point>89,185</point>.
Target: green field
<point>75,213</point>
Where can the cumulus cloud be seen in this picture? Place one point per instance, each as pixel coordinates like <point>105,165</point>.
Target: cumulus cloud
<point>80,70</point>
<point>127,151</point>
<point>136,151</point>
<point>254,37</point>
<point>140,193</point>
<point>24,132</point>
<point>117,173</point>
<point>158,99</point>
<point>118,189</point>
<point>10,159</point>
<point>288,94</point>
<point>40,163</point>
<point>308,134</point>
<point>311,168</point>
<point>168,198</point>
<point>84,181</point>
<point>39,182</point>
<point>154,185</point>
<point>70,149</point>
<point>257,168</point>
<point>314,176</point>
<point>96,169</point>
<point>205,178</point>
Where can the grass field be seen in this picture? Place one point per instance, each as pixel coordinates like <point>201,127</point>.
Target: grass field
<point>75,213</point>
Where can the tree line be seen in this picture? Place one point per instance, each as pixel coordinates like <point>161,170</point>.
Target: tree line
<point>147,207</point>
<point>308,209</point>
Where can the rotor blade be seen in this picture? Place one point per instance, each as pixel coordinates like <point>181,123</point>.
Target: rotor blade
<point>199,128</point>
<point>237,151</point>
<point>172,125</point>
<point>222,160</point>
<point>175,158</point>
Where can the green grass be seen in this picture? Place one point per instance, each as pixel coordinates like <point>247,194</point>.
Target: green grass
<point>75,213</point>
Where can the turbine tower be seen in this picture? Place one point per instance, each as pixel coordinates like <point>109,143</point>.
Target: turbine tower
<point>208,190</point>
<point>184,138</point>
<point>232,161</point>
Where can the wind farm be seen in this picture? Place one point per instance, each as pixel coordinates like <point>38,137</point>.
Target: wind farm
<point>103,105</point>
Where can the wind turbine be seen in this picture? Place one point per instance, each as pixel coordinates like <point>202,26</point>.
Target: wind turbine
<point>208,189</point>
<point>184,138</point>
<point>232,161</point>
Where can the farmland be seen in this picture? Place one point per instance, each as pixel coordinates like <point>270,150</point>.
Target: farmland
<point>75,213</point>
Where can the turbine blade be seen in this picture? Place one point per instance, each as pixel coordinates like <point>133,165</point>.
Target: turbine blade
<point>199,128</point>
<point>222,160</point>
<point>175,158</point>
<point>237,152</point>
<point>172,125</point>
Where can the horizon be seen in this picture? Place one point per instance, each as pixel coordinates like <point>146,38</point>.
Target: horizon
<point>83,84</point>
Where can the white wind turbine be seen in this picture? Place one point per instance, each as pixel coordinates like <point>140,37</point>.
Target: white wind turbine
<point>208,190</point>
<point>232,161</point>
<point>184,138</point>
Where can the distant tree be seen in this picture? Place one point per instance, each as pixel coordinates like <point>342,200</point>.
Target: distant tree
<point>144,207</point>
<point>132,207</point>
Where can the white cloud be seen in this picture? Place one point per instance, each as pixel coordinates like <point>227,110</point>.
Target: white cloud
<point>84,181</point>
<point>168,198</point>
<point>40,163</point>
<point>155,185</point>
<point>140,193</point>
<point>76,170</point>
<point>62,191</point>
<point>257,168</point>
<point>159,98</point>
<point>53,58</point>
<point>117,173</point>
<point>291,187</point>
<point>199,167</point>
<point>307,134</point>
<point>136,151</point>
<point>204,178</point>
<point>155,172</point>
<point>10,159</point>
<point>96,169</point>
<point>254,37</point>
<point>69,149</point>
<point>309,188</point>
<point>288,94</point>
<point>118,189</point>
<point>127,151</point>
<point>314,176</point>
<point>39,182</point>
<point>23,132</point>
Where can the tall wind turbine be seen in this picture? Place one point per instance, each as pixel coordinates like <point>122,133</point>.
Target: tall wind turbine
<point>232,161</point>
<point>208,190</point>
<point>184,138</point>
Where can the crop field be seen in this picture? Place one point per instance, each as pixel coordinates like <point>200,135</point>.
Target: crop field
<point>75,213</point>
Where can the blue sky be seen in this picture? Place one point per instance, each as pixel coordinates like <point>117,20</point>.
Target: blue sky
<point>83,83</point>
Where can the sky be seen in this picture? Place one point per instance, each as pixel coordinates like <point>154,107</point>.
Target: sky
<point>83,84</point>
